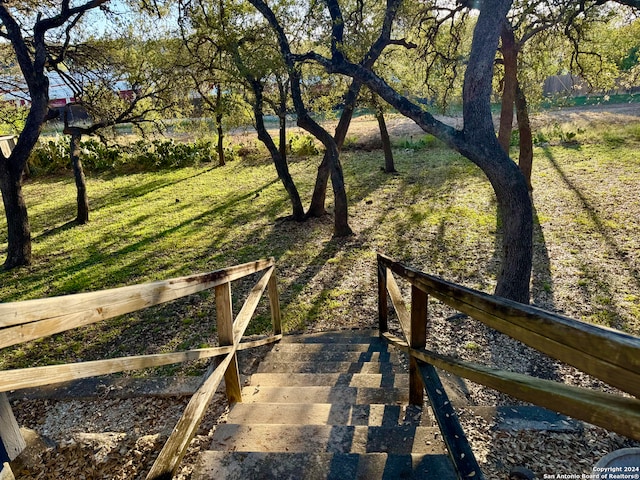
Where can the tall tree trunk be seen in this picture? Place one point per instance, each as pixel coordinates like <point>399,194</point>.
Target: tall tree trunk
<point>525,160</point>
<point>279,161</point>
<point>219,127</point>
<point>317,205</point>
<point>82,199</point>
<point>282,119</point>
<point>11,170</point>
<point>282,135</point>
<point>510,56</point>
<point>477,142</point>
<point>316,208</point>
<point>18,229</point>
<point>389,166</point>
<point>341,226</point>
<point>509,185</point>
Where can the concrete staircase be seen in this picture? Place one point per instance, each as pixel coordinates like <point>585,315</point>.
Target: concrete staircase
<point>327,406</point>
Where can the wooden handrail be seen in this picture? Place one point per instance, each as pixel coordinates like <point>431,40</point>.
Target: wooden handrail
<point>176,446</point>
<point>32,319</point>
<point>605,353</point>
<point>51,374</point>
<point>610,355</point>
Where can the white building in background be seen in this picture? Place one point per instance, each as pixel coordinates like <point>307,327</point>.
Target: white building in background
<point>59,92</point>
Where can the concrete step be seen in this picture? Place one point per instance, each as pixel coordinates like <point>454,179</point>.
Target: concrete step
<point>371,380</point>
<point>328,367</point>
<point>321,394</point>
<point>321,466</point>
<point>330,356</point>
<point>367,337</point>
<point>403,439</point>
<point>328,347</point>
<point>329,414</point>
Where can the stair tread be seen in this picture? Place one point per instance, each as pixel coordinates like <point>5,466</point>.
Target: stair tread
<point>335,339</point>
<point>331,347</point>
<point>339,336</point>
<point>321,466</point>
<point>329,356</point>
<point>328,367</point>
<point>402,439</point>
<point>329,414</point>
<point>397,380</point>
<point>323,394</point>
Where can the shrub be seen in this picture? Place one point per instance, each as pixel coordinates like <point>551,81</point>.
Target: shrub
<point>302,145</point>
<point>53,156</point>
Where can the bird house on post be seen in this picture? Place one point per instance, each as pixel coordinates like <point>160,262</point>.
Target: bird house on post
<point>7,144</point>
<point>75,116</point>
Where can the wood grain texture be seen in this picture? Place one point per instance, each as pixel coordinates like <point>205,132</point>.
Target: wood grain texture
<point>174,450</point>
<point>10,436</point>
<point>417,340</point>
<point>224,321</point>
<point>383,305</point>
<point>613,412</point>
<point>610,355</point>
<point>404,317</point>
<point>176,446</point>
<point>85,308</point>
<point>274,304</point>
<point>52,374</point>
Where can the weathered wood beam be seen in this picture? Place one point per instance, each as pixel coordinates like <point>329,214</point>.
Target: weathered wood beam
<point>224,321</point>
<point>58,313</point>
<point>274,304</point>
<point>48,375</point>
<point>404,317</point>
<point>610,355</point>
<point>417,340</point>
<point>613,412</point>
<point>11,440</point>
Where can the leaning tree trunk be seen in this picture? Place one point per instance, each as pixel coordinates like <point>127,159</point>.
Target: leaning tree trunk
<point>509,185</point>
<point>279,160</point>
<point>477,142</point>
<point>341,226</point>
<point>282,120</point>
<point>18,229</point>
<point>82,199</point>
<point>525,160</point>
<point>510,57</point>
<point>389,166</point>
<point>316,208</point>
<point>11,170</point>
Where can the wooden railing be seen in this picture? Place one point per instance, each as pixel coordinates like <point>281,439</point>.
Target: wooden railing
<point>24,321</point>
<point>609,355</point>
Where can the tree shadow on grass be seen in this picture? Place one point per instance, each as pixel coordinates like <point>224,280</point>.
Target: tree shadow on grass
<point>609,314</point>
<point>111,198</point>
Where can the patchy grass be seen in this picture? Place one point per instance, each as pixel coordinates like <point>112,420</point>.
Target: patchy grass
<point>437,214</point>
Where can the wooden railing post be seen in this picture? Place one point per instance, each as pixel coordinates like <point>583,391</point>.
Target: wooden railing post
<point>383,309</point>
<point>418,339</point>
<point>11,441</point>
<point>274,302</point>
<point>224,314</point>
